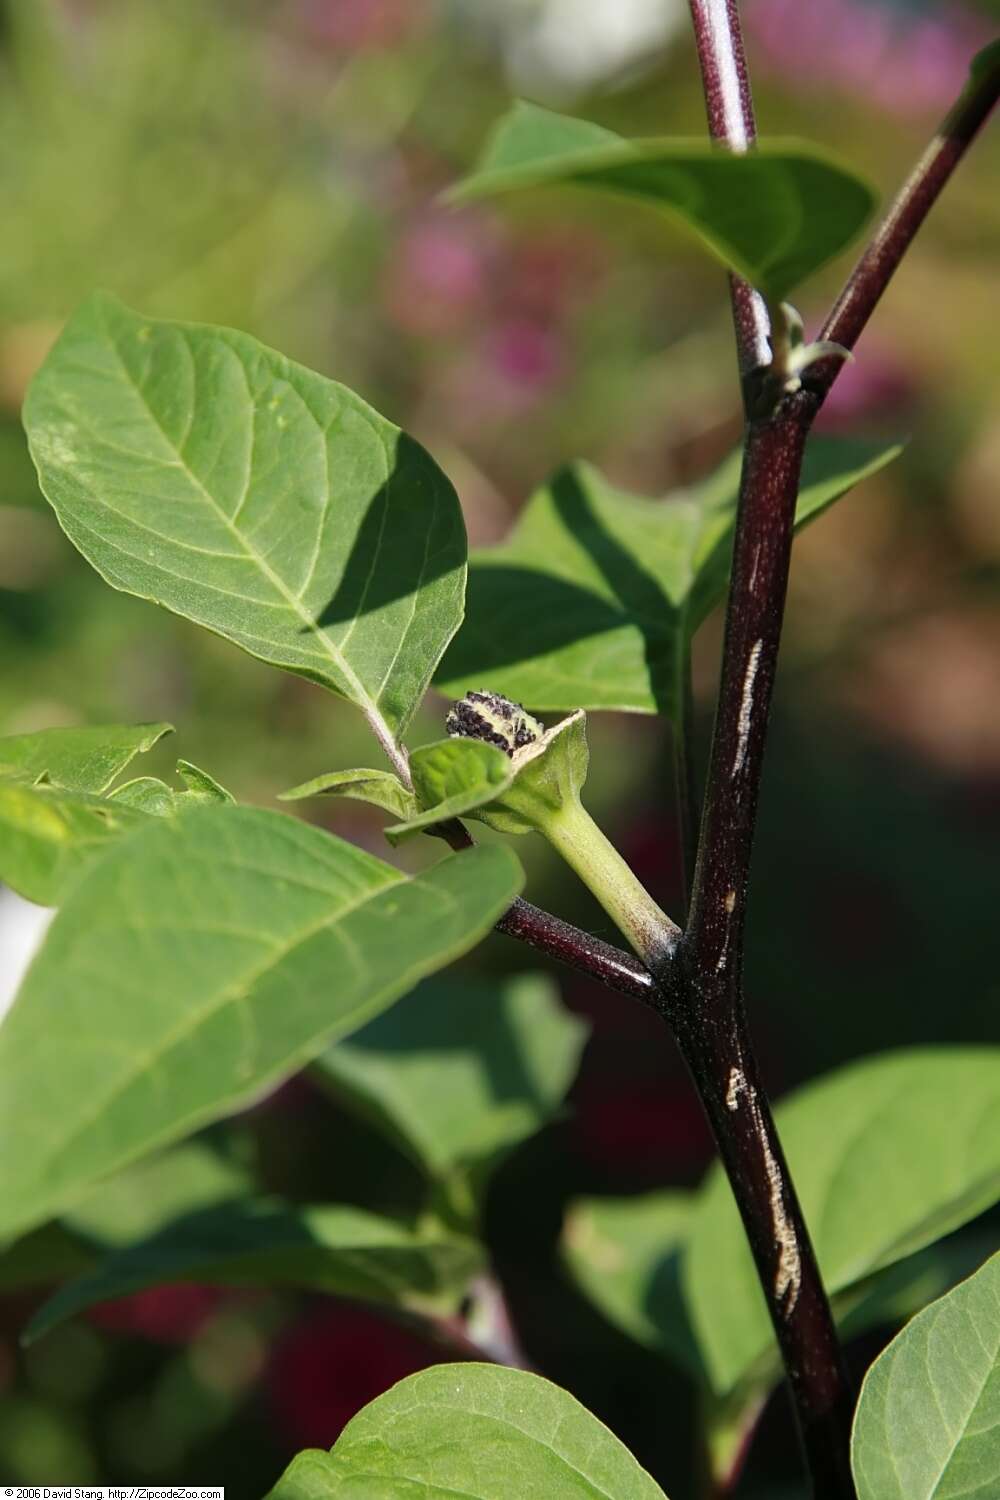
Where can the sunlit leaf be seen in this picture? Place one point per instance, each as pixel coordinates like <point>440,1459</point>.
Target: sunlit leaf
<point>929,1413</point>
<point>475,1432</point>
<point>84,759</point>
<point>195,467</point>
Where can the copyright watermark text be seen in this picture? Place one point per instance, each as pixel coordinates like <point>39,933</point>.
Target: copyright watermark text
<point>111,1492</point>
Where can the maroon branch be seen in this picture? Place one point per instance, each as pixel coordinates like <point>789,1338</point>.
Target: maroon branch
<point>704,982</point>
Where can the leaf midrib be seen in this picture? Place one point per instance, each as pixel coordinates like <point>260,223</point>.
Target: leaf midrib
<point>366,702</point>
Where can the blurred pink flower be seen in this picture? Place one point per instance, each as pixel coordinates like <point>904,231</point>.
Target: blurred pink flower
<point>549,271</point>
<point>906,65</point>
<point>527,354</point>
<point>876,384</point>
<point>513,368</point>
<point>438,275</point>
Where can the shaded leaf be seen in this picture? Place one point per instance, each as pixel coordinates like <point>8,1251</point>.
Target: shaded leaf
<point>145,1196</point>
<point>474,1432</point>
<point>83,759</point>
<point>880,1174</point>
<point>625,1255</point>
<point>773,214</point>
<point>197,468</point>
<point>123,1209</point>
<point>47,1254</point>
<point>381,788</point>
<point>929,1413</point>
<point>204,959</point>
<point>339,1250</point>
<point>591,601</point>
<point>461,1070</point>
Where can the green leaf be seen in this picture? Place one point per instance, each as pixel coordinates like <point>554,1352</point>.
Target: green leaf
<point>151,795</point>
<point>140,1200</point>
<point>894,1294</point>
<point>625,1255</point>
<point>475,1432</point>
<point>197,468</point>
<point>549,777</point>
<point>773,214</point>
<point>127,1207</point>
<point>381,788</point>
<point>452,777</point>
<point>85,759</point>
<point>48,836</point>
<point>199,786</point>
<point>929,1412</point>
<point>202,960</point>
<point>147,794</point>
<point>343,1251</point>
<point>459,1072</point>
<point>592,600</point>
<point>880,1171</point>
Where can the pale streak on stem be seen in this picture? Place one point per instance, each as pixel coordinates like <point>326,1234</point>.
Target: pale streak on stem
<point>734,125</point>
<point>788,1274</point>
<point>746,707</point>
<point>730,906</point>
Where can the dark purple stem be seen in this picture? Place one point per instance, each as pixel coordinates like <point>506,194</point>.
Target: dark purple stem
<point>706,1009</point>
<point>716,1044</point>
<point>700,989</point>
<point>704,984</point>
<point>560,940</point>
<point>729,104</point>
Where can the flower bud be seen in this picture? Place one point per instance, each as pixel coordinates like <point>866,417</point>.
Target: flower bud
<point>498,721</point>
